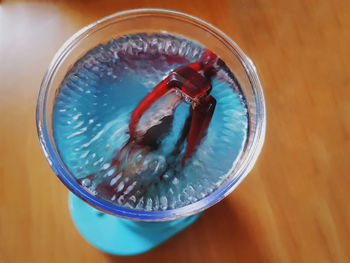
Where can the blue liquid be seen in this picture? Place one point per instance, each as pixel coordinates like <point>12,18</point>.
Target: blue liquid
<point>92,113</point>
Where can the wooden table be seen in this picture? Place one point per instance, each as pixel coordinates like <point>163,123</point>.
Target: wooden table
<point>295,204</point>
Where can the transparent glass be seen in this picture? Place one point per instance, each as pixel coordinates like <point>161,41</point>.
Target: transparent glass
<point>154,21</point>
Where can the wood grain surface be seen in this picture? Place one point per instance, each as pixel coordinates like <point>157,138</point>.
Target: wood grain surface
<point>293,207</point>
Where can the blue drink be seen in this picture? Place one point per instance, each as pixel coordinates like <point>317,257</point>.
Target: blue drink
<point>92,113</point>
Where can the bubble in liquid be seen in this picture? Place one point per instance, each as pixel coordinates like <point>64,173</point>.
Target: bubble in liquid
<point>86,182</point>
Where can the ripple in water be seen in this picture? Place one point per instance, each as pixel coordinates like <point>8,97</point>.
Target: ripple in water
<point>92,113</point>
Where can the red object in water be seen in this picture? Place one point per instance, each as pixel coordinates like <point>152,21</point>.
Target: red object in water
<point>193,83</point>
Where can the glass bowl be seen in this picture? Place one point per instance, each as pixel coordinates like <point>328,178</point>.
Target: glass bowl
<point>154,21</point>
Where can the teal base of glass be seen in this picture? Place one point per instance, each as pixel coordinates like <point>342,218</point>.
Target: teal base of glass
<point>123,237</point>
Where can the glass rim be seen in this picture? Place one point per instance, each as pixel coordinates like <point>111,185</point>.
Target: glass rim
<point>64,175</point>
